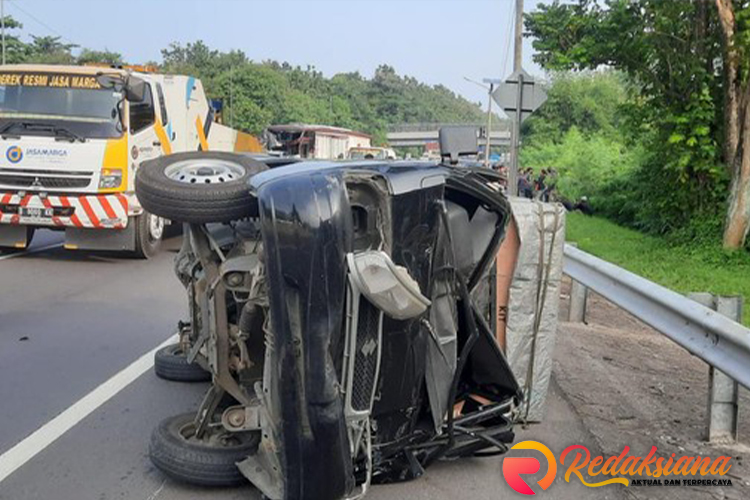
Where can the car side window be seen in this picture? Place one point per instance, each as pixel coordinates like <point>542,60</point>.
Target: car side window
<point>162,105</point>
<point>142,113</point>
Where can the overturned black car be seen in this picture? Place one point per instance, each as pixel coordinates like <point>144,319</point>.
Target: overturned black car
<point>335,307</point>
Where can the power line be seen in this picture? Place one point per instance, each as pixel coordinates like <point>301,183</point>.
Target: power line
<point>40,22</point>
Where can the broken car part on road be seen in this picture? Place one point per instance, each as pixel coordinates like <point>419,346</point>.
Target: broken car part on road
<point>331,303</point>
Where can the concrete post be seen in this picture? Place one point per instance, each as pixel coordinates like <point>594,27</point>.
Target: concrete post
<point>723,413</point>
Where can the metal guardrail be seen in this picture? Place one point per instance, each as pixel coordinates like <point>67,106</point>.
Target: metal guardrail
<point>716,339</point>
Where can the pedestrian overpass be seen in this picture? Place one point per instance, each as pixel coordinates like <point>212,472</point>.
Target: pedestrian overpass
<point>419,134</point>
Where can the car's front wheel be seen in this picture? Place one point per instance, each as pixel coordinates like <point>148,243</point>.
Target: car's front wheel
<point>206,461</point>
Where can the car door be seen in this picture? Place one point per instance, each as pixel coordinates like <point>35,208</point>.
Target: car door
<point>145,143</point>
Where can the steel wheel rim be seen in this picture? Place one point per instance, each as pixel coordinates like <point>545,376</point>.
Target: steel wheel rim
<point>215,438</point>
<point>204,171</point>
<point>155,227</point>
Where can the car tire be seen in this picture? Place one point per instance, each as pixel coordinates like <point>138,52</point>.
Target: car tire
<point>198,187</point>
<point>196,461</point>
<point>170,363</point>
<point>148,238</point>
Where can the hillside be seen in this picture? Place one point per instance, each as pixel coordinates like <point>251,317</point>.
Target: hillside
<point>257,94</point>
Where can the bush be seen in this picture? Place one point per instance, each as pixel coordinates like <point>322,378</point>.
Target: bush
<point>585,165</point>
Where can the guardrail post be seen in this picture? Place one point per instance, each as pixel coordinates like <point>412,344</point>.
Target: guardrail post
<point>578,296</point>
<point>723,413</point>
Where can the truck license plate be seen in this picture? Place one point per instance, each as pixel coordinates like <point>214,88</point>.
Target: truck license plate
<point>35,212</point>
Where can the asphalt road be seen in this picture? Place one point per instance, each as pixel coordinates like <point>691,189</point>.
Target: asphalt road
<point>70,321</point>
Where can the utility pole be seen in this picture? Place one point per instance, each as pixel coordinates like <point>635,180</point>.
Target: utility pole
<point>2,22</point>
<point>516,133</point>
<point>518,39</point>
<point>231,98</point>
<point>518,96</point>
<point>491,82</point>
<point>489,127</point>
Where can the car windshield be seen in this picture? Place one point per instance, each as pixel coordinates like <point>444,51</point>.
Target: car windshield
<point>73,102</point>
<point>367,154</point>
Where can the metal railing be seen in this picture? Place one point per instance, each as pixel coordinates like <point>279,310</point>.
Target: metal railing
<point>713,337</point>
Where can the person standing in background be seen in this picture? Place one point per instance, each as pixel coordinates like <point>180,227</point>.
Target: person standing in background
<point>540,185</point>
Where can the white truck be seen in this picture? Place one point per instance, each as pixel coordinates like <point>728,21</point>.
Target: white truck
<point>71,141</point>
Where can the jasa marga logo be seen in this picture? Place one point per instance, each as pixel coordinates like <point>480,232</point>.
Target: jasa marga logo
<point>14,154</point>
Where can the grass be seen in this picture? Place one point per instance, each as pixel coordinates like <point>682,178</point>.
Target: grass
<point>680,267</point>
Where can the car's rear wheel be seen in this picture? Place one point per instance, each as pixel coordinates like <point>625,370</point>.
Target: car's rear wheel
<point>171,363</point>
<point>198,187</point>
<point>209,461</point>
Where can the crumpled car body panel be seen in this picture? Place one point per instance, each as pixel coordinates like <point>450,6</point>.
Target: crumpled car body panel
<point>306,233</point>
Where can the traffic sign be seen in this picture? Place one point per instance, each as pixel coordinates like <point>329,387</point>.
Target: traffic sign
<point>519,96</point>
<point>531,95</point>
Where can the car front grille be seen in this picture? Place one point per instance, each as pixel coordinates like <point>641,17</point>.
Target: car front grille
<point>366,356</point>
<point>43,181</point>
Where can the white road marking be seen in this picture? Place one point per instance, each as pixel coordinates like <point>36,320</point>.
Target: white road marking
<point>30,251</point>
<point>158,491</point>
<point>47,434</point>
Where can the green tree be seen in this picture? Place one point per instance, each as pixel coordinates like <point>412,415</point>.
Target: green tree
<point>589,101</point>
<point>49,50</point>
<point>15,50</point>
<point>88,56</point>
<point>282,93</point>
<point>678,57</point>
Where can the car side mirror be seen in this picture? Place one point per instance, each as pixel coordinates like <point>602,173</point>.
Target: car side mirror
<point>458,141</point>
<point>135,89</point>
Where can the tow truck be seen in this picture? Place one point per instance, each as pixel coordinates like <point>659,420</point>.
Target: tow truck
<point>71,142</point>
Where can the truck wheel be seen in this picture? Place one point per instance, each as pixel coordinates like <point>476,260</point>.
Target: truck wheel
<point>176,451</point>
<point>149,230</point>
<point>198,187</point>
<point>170,363</point>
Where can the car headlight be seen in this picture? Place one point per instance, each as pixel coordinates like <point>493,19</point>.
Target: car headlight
<point>110,179</point>
<point>388,286</point>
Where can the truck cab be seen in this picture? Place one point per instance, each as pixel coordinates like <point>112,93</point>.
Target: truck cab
<point>72,139</point>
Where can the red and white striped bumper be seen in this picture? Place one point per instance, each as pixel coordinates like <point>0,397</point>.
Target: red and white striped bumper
<point>102,211</point>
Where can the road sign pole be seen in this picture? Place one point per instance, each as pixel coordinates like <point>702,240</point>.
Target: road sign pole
<point>515,139</point>
<point>518,96</point>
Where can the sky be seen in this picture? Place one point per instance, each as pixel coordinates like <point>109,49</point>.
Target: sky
<point>435,41</point>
